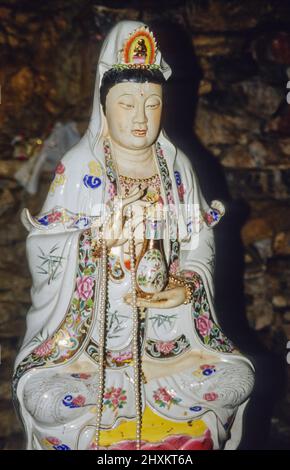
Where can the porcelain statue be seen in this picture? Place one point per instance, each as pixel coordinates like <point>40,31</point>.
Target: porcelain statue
<point>123,349</point>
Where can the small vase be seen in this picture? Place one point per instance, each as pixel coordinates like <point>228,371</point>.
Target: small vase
<point>152,272</point>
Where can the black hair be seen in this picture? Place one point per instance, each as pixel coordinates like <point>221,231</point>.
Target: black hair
<point>137,75</point>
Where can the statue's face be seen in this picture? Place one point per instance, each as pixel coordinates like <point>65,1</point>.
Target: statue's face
<point>133,114</point>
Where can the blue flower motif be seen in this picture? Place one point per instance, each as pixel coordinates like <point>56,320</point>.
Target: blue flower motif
<point>189,227</point>
<point>61,447</point>
<point>91,181</point>
<point>195,408</point>
<point>215,214</point>
<point>82,222</point>
<point>43,220</point>
<point>208,371</point>
<point>68,401</point>
<point>177,177</point>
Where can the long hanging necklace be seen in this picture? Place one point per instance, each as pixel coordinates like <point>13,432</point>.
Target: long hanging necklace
<point>136,351</point>
<point>102,334</point>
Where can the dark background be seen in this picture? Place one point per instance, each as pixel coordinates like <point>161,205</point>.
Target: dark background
<point>225,107</point>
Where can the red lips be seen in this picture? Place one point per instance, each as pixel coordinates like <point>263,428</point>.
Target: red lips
<point>139,132</point>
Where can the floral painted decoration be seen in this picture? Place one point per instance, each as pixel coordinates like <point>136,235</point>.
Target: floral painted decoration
<point>81,375</point>
<point>60,215</point>
<point>211,396</point>
<point>196,408</point>
<point>211,216</point>
<point>163,398</point>
<point>207,330</point>
<point>167,349</point>
<point>115,398</point>
<point>120,358</point>
<point>72,331</point>
<point>214,214</point>
<point>180,186</point>
<point>207,369</point>
<point>52,217</point>
<point>53,443</point>
<point>204,370</point>
<point>59,178</point>
<point>92,179</point>
<point>74,402</point>
<point>45,349</point>
<point>111,190</point>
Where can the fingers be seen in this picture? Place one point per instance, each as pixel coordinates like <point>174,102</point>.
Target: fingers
<point>163,295</point>
<point>165,299</point>
<point>141,302</point>
<point>169,294</point>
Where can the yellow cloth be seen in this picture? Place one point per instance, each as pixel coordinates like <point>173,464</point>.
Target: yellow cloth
<point>154,429</point>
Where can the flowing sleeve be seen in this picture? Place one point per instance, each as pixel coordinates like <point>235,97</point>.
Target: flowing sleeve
<point>68,218</point>
<point>197,248</point>
<point>197,256</point>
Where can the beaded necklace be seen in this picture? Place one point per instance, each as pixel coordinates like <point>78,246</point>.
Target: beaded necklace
<point>102,329</point>
<point>128,182</point>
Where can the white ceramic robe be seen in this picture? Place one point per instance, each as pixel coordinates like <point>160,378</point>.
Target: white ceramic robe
<point>62,322</point>
<point>55,404</point>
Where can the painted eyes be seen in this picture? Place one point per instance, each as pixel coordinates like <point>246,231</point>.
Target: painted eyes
<point>152,105</point>
<point>131,106</point>
<point>126,105</point>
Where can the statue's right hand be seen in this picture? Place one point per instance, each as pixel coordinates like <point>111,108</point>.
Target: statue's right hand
<point>113,230</point>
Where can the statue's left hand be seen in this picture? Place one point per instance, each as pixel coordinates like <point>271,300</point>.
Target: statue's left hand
<point>166,299</point>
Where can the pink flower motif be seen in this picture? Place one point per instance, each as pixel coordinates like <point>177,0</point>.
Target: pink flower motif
<point>60,169</point>
<point>174,267</point>
<point>160,201</point>
<point>85,287</point>
<point>113,392</point>
<point>208,218</point>
<point>192,276</point>
<point>114,397</point>
<point>181,191</point>
<point>206,366</point>
<point>125,356</point>
<point>165,347</point>
<point>87,243</point>
<point>82,375</point>
<point>79,400</point>
<point>44,349</point>
<point>54,217</point>
<point>53,440</point>
<point>212,396</point>
<point>111,190</point>
<point>162,394</point>
<point>204,325</point>
<point>170,198</point>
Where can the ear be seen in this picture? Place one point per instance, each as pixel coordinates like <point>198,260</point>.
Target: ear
<point>105,124</point>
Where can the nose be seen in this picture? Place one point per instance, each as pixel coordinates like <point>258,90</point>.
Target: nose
<point>140,118</point>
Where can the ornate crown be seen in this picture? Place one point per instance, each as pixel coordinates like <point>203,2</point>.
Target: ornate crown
<point>139,50</point>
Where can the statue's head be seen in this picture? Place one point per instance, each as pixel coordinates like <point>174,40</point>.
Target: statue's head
<point>132,104</point>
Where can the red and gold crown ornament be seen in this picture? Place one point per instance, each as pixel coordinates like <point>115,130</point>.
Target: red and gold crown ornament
<point>139,50</point>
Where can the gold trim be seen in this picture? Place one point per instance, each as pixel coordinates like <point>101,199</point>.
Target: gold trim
<point>130,178</point>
